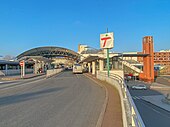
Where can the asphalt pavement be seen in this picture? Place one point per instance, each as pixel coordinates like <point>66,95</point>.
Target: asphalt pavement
<point>65,100</point>
<point>152,115</point>
<point>17,83</point>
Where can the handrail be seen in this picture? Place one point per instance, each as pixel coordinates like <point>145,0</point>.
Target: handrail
<point>131,66</point>
<point>2,73</point>
<point>136,120</point>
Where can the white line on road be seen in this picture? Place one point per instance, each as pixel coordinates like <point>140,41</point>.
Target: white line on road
<point>9,86</point>
<point>135,97</point>
<point>155,110</point>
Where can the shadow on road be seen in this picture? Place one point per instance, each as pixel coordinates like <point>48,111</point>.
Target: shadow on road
<point>7,100</point>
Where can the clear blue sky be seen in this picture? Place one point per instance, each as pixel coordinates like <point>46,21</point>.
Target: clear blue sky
<point>26,24</point>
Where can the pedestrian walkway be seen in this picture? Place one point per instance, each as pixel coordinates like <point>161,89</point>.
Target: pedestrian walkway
<point>163,80</point>
<point>160,86</point>
<point>157,100</point>
<point>18,77</point>
<point>113,113</point>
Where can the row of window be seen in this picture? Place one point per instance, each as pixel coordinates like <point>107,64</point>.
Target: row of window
<point>168,59</point>
<point>162,56</point>
<point>167,53</point>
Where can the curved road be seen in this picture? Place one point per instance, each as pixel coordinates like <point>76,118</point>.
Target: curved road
<point>153,116</point>
<point>65,100</point>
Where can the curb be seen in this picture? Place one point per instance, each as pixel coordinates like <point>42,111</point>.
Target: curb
<point>101,116</point>
<point>159,88</point>
<point>166,101</point>
<point>19,78</point>
<point>10,79</point>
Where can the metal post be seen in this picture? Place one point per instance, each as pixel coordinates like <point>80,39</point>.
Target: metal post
<point>21,72</point>
<point>108,64</point>
<point>23,68</point>
<point>6,69</point>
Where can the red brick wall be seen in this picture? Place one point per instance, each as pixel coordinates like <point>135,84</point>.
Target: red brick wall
<point>148,61</point>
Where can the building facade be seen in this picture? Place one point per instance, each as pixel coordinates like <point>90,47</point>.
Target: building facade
<point>160,58</point>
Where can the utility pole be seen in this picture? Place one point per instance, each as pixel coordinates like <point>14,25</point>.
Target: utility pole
<point>108,59</point>
<point>106,43</point>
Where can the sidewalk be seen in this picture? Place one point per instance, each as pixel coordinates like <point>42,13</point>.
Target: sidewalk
<point>158,86</point>
<point>18,77</point>
<point>157,100</point>
<point>112,116</point>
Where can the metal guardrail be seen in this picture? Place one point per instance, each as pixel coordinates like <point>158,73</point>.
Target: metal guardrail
<point>136,120</point>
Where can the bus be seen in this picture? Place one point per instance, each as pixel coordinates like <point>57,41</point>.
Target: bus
<point>77,68</point>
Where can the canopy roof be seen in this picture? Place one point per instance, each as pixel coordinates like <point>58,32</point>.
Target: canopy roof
<point>50,52</point>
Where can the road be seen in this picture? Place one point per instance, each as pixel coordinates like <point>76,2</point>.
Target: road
<point>16,83</point>
<point>65,100</point>
<point>152,115</point>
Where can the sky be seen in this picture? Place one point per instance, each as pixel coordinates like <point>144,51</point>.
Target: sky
<point>27,24</point>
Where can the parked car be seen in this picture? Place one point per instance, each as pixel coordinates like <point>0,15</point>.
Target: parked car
<point>139,87</point>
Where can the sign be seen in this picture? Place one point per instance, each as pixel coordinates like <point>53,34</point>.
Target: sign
<point>21,63</point>
<point>106,40</point>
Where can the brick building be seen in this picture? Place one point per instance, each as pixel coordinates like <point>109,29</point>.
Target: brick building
<point>160,58</point>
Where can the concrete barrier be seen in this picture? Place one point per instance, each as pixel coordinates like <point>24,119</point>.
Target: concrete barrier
<point>53,72</point>
<point>130,114</point>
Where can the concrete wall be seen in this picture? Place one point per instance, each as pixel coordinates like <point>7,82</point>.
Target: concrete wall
<point>115,72</point>
<point>53,72</point>
<point>130,114</point>
<point>118,85</point>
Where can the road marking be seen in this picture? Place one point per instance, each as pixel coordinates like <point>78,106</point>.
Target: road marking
<point>1,82</point>
<point>155,110</point>
<point>136,97</point>
<point>14,85</point>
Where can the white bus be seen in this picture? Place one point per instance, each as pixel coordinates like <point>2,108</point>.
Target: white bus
<point>77,68</point>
